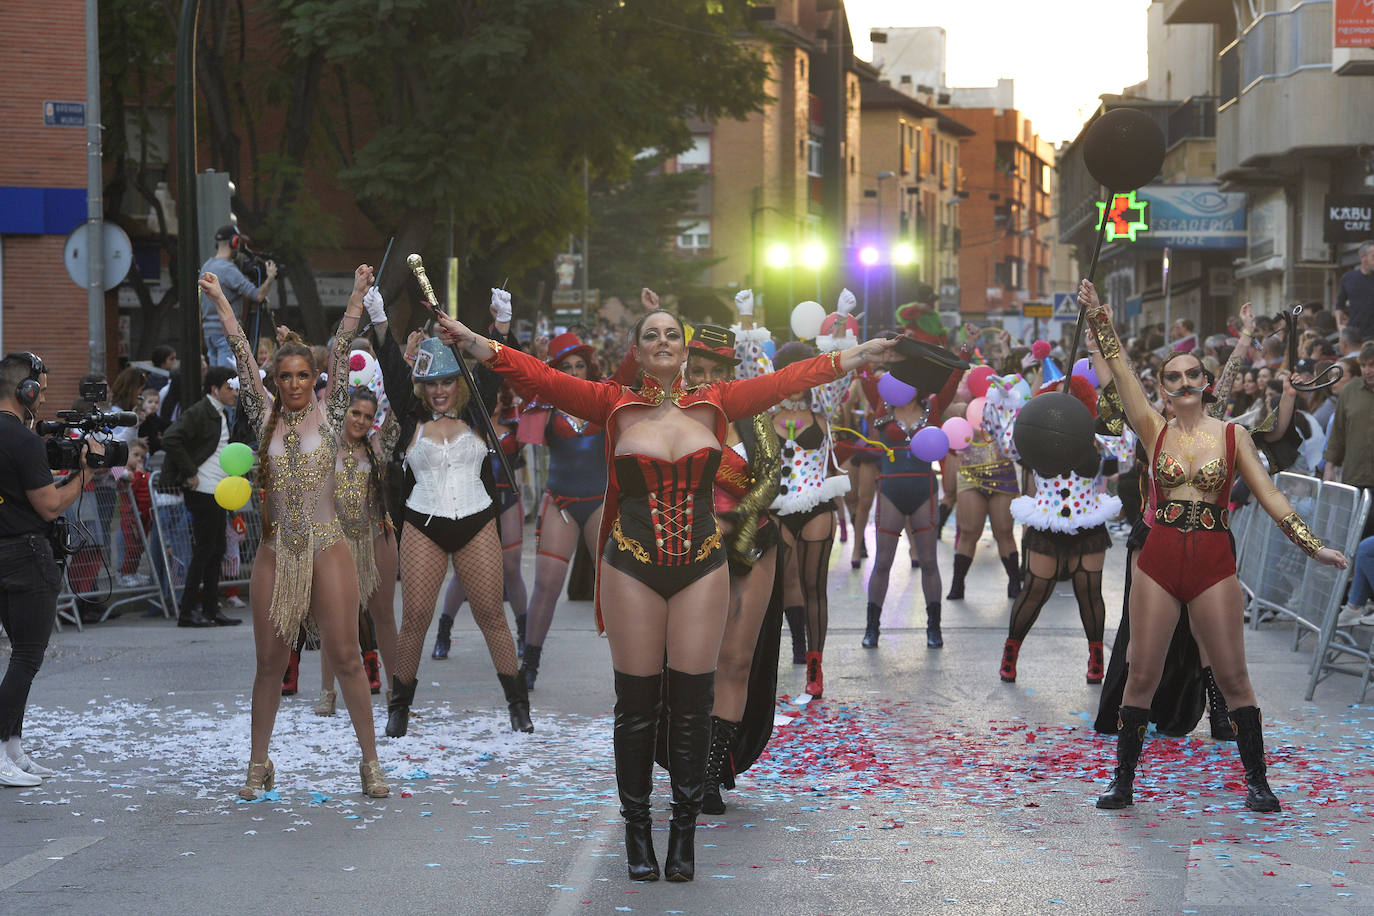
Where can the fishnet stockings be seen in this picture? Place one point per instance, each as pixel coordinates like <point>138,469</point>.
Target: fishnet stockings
<point>812,559</point>
<point>1042,571</point>
<point>478,567</point>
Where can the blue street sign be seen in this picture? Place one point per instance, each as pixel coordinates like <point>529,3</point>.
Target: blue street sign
<point>64,114</point>
<point>1066,305</point>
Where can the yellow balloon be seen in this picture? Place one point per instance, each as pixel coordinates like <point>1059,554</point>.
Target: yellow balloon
<point>233,493</point>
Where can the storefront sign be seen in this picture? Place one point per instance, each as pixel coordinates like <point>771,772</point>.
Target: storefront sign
<point>1352,24</point>
<point>1193,216</point>
<point>1348,218</point>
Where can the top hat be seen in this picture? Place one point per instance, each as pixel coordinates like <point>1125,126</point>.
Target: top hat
<point>925,366</point>
<point>714,341</point>
<point>435,361</point>
<point>567,344</point>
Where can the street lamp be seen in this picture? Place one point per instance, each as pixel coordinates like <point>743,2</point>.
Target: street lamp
<point>903,254</point>
<point>813,256</point>
<point>882,176</point>
<point>779,257</point>
<point>868,257</point>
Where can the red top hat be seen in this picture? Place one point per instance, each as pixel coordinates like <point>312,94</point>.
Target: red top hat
<point>716,342</point>
<point>565,345</point>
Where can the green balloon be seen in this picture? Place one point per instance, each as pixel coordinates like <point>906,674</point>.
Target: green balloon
<point>236,459</point>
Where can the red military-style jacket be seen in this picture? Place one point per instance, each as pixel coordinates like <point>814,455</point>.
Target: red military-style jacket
<point>599,401</point>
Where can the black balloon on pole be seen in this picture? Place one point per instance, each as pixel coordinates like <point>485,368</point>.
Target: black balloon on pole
<point>1124,149</point>
<point>1053,433</point>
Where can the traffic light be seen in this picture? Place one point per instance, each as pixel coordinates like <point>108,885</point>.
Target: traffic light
<point>214,208</point>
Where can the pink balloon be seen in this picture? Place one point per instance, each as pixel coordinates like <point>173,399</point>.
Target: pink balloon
<point>895,391</point>
<point>974,414</point>
<point>978,378</point>
<point>930,444</point>
<point>960,433</point>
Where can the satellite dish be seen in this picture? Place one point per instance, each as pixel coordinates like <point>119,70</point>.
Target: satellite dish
<point>1124,149</point>
<point>118,252</point>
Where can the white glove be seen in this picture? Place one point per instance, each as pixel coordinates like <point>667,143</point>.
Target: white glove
<point>744,302</point>
<point>500,305</point>
<point>847,303</point>
<point>376,309</point>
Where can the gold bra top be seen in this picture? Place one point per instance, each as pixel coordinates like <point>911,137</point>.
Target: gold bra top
<point>1209,478</point>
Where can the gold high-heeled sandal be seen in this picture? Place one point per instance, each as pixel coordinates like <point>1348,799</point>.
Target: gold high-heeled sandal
<point>261,778</point>
<point>374,783</point>
<point>324,706</point>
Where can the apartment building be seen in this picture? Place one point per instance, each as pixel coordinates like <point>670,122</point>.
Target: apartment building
<point>781,207</point>
<point>1293,80</point>
<point>912,192</point>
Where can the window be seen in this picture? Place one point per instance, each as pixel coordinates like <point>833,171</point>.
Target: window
<point>814,163</point>
<point>698,157</point>
<point>694,235</point>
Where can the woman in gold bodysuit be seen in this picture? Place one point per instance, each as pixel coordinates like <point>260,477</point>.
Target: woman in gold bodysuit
<point>303,566</point>
<point>1187,557</point>
<point>360,503</point>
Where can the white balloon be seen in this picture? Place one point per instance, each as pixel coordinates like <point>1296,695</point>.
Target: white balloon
<point>806,320</point>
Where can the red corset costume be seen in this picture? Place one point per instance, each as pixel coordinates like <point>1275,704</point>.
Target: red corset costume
<point>666,534</point>
<point>599,401</point>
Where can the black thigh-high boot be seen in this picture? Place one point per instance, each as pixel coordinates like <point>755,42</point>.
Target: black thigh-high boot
<point>1250,745</point>
<point>638,704</point>
<point>720,765</point>
<point>1130,741</point>
<point>1012,564</point>
<point>690,697</point>
<point>956,585</point>
<point>1217,712</point>
<point>398,707</point>
<point>875,613</point>
<point>796,622</point>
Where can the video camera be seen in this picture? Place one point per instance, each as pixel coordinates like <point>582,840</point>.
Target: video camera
<point>253,261</point>
<point>64,453</point>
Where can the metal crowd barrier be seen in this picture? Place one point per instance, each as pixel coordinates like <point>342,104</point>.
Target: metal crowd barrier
<point>173,528</point>
<point>116,565</point>
<point>1282,583</point>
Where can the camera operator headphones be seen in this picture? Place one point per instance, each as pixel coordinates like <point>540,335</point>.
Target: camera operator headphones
<point>233,237</point>
<point>27,391</point>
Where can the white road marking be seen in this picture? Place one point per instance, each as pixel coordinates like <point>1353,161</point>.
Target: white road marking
<point>26,867</point>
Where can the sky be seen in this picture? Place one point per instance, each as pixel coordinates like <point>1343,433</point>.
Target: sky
<point>1063,54</point>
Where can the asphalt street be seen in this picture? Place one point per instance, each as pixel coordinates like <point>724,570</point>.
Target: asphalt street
<point>919,783</point>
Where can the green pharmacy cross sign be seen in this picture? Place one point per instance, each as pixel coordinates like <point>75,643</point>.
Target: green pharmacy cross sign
<point>1125,218</point>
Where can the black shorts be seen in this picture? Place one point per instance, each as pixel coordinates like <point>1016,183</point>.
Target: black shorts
<point>796,521</point>
<point>449,534</point>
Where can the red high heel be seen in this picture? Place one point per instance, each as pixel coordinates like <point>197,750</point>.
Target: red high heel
<point>1009,653</point>
<point>290,679</point>
<point>815,682</point>
<point>1095,663</point>
<point>373,666</point>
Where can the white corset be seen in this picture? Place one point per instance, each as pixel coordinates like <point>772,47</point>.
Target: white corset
<point>448,476</point>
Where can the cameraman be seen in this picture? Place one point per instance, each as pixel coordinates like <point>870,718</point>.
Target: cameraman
<point>29,577</point>
<point>236,286</point>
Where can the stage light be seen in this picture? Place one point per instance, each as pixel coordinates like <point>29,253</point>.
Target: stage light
<point>813,255</point>
<point>868,256</point>
<point>779,255</point>
<point>903,254</point>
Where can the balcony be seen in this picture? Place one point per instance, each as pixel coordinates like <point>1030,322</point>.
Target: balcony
<point>1179,12</point>
<point>1280,98</point>
<point>1193,119</point>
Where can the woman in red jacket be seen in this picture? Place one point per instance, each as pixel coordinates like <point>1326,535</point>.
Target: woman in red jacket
<point>662,582</point>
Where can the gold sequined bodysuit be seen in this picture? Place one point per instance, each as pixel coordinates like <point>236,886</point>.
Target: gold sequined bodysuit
<point>300,461</point>
<point>360,506</point>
